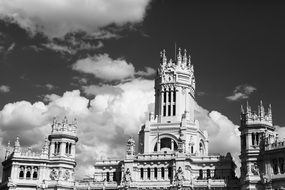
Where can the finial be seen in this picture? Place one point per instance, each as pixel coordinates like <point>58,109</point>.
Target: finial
<point>164,59</point>
<point>65,119</point>
<point>179,56</point>
<point>185,57</point>
<point>9,144</point>
<point>17,142</point>
<point>241,109</point>
<point>261,103</point>
<point>189,59</point>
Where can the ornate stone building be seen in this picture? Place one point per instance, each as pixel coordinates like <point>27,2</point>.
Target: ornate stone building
<point>52,168</point>
<point>172,150</point>
<point>262,152</point>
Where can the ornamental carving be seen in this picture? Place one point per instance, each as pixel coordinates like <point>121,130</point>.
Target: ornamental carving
<point>54,174</point>
<point>66,175</point>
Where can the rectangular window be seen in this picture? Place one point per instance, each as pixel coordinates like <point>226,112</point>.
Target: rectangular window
<point>169,110</point>
<point>174,96</point>
<point>252,138</point>
<point>169,96</point>
<point>173,109</point>
<point>164,110</point>
<point>164,97</point>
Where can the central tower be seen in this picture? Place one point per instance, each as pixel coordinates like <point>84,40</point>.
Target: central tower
<point>172,127</point>
<point>175,89</point>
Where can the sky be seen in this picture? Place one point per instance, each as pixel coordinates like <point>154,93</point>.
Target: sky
<point>96,61</point>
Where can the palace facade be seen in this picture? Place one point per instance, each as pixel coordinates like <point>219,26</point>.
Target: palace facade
<point>171,153</point>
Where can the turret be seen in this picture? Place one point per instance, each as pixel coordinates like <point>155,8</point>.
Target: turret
<point>254,127</point>
<point>63,138</point>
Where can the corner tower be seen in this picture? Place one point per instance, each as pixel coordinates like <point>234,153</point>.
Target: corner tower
<point>175,89</point>
<point>253,127</point>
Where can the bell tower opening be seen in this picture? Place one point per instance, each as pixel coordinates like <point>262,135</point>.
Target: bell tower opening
<point>166,144</point>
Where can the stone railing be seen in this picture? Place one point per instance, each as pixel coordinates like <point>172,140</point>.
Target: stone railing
<point>275,145</point>
<point>107,162</point>
<point>155,156</point>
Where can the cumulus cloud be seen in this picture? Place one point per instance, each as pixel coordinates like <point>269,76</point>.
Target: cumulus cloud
<point>218,127</point>
<point>108,69</point>
<point>116,115</point>
<point>4,89</point>
<point>241,92</point>
<point>56,18</point>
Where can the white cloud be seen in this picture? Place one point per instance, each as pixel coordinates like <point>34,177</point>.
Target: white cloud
<point>4,89</point>
<point>241,92</point>
<point>114,115</point>
<point>108,69</point>
<point>148,72</point>
<point>56,18</point>
<point>218,127</point>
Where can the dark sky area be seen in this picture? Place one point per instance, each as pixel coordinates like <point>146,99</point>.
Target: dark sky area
<point>231,42</point>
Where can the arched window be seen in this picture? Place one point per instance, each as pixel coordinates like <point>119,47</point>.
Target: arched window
<point>202,151</point>
<point>253,138</point>
<point>141,173</point>
<point>58,148</point>
<point>257,138</point>
<point>162,172</point>
<point>21,174</point>
<point>166,144</point>
<point>114,176</point>
<point>148,173</point>
<point>28,174</point>
<point>155,172</point>
<point>200,174</point>
<point>108,176</point>
<point>169,172</point>
<point>66,148</point>
<point>275,166</point>
<point>55,148</point>
<point>69,148</point>
<point>208,174</point>
<point>35,173</point>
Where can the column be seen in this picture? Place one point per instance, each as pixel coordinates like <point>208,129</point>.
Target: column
<point>73,150</point>
<point>248,140</point>
<point>172,144</point>
<point>151,173</point>
<point>158,173</point>
<point>166,173</point>
<point>173,173</point>
<point>110,176</point>
<point>212,173</point>
<point>51,152</point>
<point>204,174</point>
<point>278,166</point>
<point>145,174</point>
<point>160,112</point>
<point>158,145</point>
<point>166,102</point>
